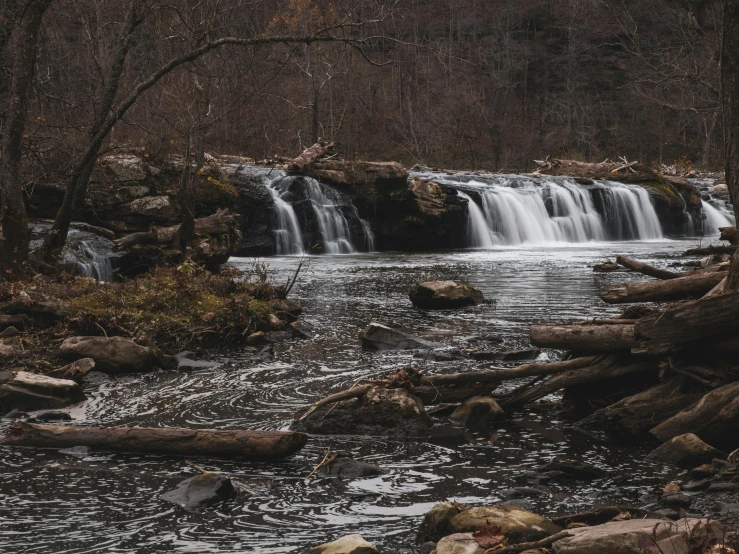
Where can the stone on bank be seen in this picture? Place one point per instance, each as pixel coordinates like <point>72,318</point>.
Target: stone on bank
<point>351,544</point>
<point>443,295</point>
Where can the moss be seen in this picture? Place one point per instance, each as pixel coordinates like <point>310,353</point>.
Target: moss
<point>665,188</point>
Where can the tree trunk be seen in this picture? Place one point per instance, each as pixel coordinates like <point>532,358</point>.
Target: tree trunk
<point>647,269</point>
<point>309,155</point>
<point>691,286</point>
<point>15,239</point>
<point>730,106</point>
<point>584,338</point>
<point>730,234</point>
<point>246,445</point>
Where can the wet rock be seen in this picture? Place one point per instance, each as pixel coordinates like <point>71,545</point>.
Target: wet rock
<point>51,415</point>
<point>381,412</point>
<point>724,487</point>
<point>437,522</point>
<point>427,548</point>
<point>29,391</point>
<point>685,451</point>
<point>197,492</point>
<point>630,536</point>
<point>703,471</point>
<point>275,322</point>
<point>607,266</point>
<point>76,371</point>
<point>441,355</point>
<point>478,411</point>
<point>521,492</point>
<point>41,312</point>
<point>351,544</point>
<point>77,451</point>
<point>734,457</point>
<point>516,525</point>
<point>9,332</point>
<point>573,469</point>
<point>257,339</point>
<point>9,322</point>
<point>347,467</point>
<point>507,355</point>
<point>115,354</point>
<point>441,295</point>
<point>694,486</point>
<point>605,514</point>
<point>8,352</point>
<point>714,418</point>
<point>286,309</point>
<point>459,543</point>
<point>381,337</point>
<point>675,500</point>
<point>15,414</point>
<point>302,330</point>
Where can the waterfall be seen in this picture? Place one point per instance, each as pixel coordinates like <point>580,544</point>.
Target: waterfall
<point>631,215</point>
<point>88,255</point>
<point>288,238</point>
<point>332,224</point>
<point>714,218</point>
<point>478,234</point>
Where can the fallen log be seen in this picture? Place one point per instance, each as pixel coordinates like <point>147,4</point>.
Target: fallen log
<point>584,338</point>
<point>612,365</point>
<point>612,321</point>
<point>309,156</point>
<point>730,234</point>
<point>692,286</point>
<point>718,289</point>
<point>430,394</point>
<point>689,324</point>
<point>248,445</point>
<point>646,269</point>
<point>711,250</point>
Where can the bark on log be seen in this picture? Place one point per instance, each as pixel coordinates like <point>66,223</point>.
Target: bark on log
<point>692,286</point>
<point>248,445</point>
<point>309,155</point>
<point>646,269</point>
<point>718,289</point>
<point>689,324</point>
<point>584,338</point>
<point>614,321</point>
<point>430,394</point>
<point>710,250</point>
<point>730,234</point>
<point>612,365</point>
<point>219,223</point>
<point>526,370</point>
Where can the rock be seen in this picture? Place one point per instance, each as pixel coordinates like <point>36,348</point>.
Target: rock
<point>16,321</point>
<point>437,522</point>
<point>685,451</point>
<point>77,451</point>
<point>607,266</point>
<point>301,330</point>
<point>478,411</point>
<point>573,469</point>
<point>440,295</point>
<point>41,312</point>
<point>694,486</point>
<point>286,309</point>
<point>507,355</point>
<point>441,355</point>
<point>381,337</point>
<point>51,415</point>
<point>521,492</point>
<point>734,457</point>
<point>345,466</point>
<point>29,391</point>
<point>459,543</point>
<point>714,419</point>
<point>8,351</point>
<point>275,322</point>
<point>9,332</point>
<point>618,537</point>
<point>516,525</point>
<point>197,492</point>
<point>676,500</point>
<point>350,544</point>
<point>427,548</point>
<point>703,471</point>
<point>381,412</point>
<point>76,371</point>
<point>114,354</point>
<point>257,339</point>
<point>724,487</point>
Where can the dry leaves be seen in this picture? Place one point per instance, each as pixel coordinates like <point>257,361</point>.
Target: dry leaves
<point>490,537</point>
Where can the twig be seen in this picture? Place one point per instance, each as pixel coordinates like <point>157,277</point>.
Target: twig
<point>529,545</point>
<point>242,486</point>
<point>195,466</point>
<point>326,460</point>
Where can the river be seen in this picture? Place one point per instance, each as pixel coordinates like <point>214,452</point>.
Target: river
<point>51,502</point>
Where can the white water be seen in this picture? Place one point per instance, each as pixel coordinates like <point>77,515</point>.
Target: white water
<point>715,218</point>
<point>87,258</point>
<point>528,211</point>
<point>288,237</point>
<point>332,224</point>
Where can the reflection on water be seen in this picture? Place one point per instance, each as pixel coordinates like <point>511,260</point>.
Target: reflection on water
<point>51,502</point>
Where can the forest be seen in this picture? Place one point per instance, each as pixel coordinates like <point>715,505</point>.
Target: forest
<point>369,276</point>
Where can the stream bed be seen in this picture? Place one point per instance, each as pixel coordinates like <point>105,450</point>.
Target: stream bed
<point>51,502</point>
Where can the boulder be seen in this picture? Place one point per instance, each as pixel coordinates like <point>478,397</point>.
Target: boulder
<point>459,543</point>
<point>478,411</point>
<point>259,338</point>
<point>516,525</point>
<point>714,419</point>
<point>347,467</point>
<point>76,371</point>
<point>115,354</point>
<point>381,412</point>
<point>41,312</point>
<point>573,469</point>
<point>350,544</point>
<point>685,451</point>
<point>197,492</point>
<point>437,522</point>
<point>381,337</point>
<point>635,535</point>
<point>440,295</point>
<point>28,391</point>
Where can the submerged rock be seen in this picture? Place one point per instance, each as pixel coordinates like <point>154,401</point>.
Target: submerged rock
<point>441,295</point>
<point>197,492</point>
<point>28,391</point>
<point>116,354</point>
<point>383,412</point>
<point>685,451</point>
<point>76,371</point>
<point>478,411</point>
<point>346,466</point>
<point>350,544</point>
<point>381,337</point>
<point>459,543</point>
<point>572,469</point>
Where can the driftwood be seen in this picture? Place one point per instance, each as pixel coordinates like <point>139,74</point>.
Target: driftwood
<point>246,445</point>
<point>584,338</point>
<point>430,394</point>
<point>692,286</point>
<point>613,321</point>
<point>309,156</point>
<point>529,545</point>
<point>612,365</point>
<point>718,289</point>
<point>647,269</point>
<point>711,250</point>
<point>688,324</point>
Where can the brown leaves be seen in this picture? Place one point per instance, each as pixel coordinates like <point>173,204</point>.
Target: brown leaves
<point>490,537</point>
<point>671,488</point>
<point>405,378</point>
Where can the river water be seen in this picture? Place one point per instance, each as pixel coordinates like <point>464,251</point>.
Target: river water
<point>51,502</point>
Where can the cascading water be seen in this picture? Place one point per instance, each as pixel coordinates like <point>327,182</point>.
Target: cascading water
<point>526,210</point>
<point>332,224</point>
<point>715,218</point>
<point>288,238</point>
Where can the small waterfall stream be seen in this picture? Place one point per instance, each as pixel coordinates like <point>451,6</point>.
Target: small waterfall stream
<point>715,217</point>
<point>288,238</point>
<point>333,225</point>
